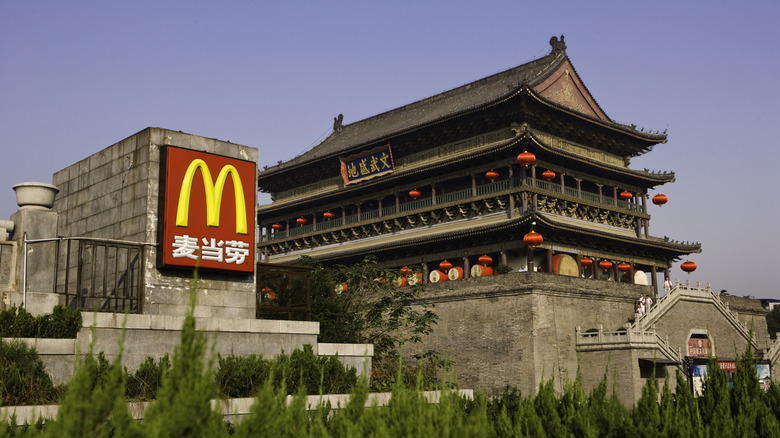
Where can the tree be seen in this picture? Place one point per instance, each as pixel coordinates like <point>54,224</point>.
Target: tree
<point>371,309</point>
<point>773,322</point>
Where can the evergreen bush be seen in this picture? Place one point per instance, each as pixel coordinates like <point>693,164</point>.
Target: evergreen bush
<point>23,379</point>
<point>62,323</point>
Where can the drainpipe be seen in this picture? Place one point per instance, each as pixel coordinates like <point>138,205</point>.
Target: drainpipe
<point>24,270</point>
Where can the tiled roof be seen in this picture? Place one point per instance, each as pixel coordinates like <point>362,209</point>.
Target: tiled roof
<point>432,109</point>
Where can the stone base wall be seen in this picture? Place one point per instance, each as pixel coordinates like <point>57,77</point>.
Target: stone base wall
<point>154,336</point>
<point>519,328</point>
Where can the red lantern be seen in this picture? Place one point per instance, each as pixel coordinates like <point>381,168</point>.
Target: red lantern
<point>406,270</point>
<point>445,266</point>
<point>277,227</point>
<point>328,215</point>
<point>586,262</point>
<point>492,175</point>
<point>301,221</point>
<point>414,194</point>
<point>660,199</point>
<point>688,266</point>
<point>548,175</point>
<point>624,267</point>
<point>485,260</point>
<point>605,264</point>
<point>533,239</point>
<point>526,159</point>
<point>626,195</point>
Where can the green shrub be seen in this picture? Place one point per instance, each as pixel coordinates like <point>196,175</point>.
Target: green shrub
<point>503,269</point>
<point>145,382</point>
<point>423,372</point>
<point>239,376</point>
<point>16,322</point>
<point>23,379</point>
<point>245,376</point>
<point>62,323</point>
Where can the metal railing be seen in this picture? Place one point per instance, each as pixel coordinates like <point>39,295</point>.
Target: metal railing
<point>462,195</point>
<point>103,275</point>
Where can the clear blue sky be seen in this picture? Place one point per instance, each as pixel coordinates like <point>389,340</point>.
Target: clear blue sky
<point>79,76</point>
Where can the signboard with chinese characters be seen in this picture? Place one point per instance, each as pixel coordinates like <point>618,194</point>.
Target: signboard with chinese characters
<point>698,347</point>
<point>367,165</point>
<point>208,211</point>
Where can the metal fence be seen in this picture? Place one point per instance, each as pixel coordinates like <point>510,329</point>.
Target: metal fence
<point>102,275</point>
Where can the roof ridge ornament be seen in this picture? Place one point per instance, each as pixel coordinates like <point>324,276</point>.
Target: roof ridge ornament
<point>337,123</point>
<point>557,46</point>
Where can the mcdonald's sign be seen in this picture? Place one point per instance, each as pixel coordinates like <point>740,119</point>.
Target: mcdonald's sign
<point>208,211</point>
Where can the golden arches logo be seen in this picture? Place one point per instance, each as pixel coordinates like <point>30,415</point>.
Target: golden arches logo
<point>213,195</point>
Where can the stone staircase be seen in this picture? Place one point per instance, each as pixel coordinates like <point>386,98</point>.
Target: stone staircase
<point>687,292</point>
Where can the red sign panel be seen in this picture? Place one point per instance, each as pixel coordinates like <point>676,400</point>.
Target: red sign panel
<point>727,366</point>
<point>209,211</point>
<point>698,347</point>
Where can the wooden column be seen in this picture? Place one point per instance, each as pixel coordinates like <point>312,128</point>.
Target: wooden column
<point>549,261</point>
<point>503,257</point>
<point>433,194</point>
<point>473,187</point>
<point>529,257</point>
<point>578,258</point>
<point>631,273</point>
<point>654,282</point>
<point>579,187</point>
<point>379,204</point>
<point>601,195</point>
<point>466,267</point>
<point>424,272</point>
<point>511,184</point>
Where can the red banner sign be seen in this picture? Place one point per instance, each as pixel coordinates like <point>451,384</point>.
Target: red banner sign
<point>698,347</point>
<point>209,211</point>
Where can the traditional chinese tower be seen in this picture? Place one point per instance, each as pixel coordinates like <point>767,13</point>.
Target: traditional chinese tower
<point>470,173</point>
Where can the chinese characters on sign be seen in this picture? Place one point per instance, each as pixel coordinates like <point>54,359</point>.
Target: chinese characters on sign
<point>698,347</point>
<point>208,222</point>
<point>232,251</point>
<point>367,165</point>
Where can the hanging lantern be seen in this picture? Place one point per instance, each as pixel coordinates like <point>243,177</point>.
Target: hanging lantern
<point>445,266</point>
<point>485,260</point>
<point>586,262</point>
<point>660,199</point>
<point>548,175</point>
<point>688,266</point>
<point>277,227</point>
<point>605,264</point>
<point>301,221</point>
<point>624,267</point>
<point>533,239</point>
<point>414,194</point>
<point>328,215</point>
<point>492,175</point>
<point>406,270</point>
<point>526,158</point>
<point>625,195</point>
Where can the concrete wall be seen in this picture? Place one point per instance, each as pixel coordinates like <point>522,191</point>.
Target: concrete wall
<point>154,336</point>
<point>115,194</point>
